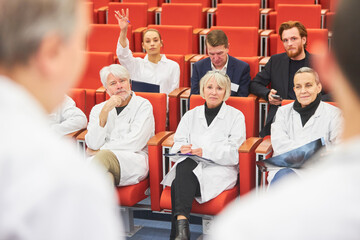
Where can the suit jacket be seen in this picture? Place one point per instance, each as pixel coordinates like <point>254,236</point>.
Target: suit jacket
<point>238,72</point>
<point>276,72</point>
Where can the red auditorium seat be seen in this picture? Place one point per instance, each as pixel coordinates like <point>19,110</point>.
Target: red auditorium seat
<point>104,38</point>
<point>238,15</point>
<point>138,13</point>
<point>161,199</point>
<point>96,61</point>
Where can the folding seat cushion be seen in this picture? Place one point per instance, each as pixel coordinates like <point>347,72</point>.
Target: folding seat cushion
<point>95,62</point>
<point>104,38</point>
<point>239,15</point>
<point>173,14</point>
<point>242,1</point>
<point>151,3</point>
<point>253,63</point>
<point>79,97</point>
<point>309,15</point>
<point>100,7</point>
<point>277,2</point>
<point>244,41</point>
<point>204,3</point>
<point>137,13</point>
<point>177,39</point>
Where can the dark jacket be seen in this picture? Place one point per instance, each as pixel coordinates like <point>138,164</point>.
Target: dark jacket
<point>276,72</point>
<point>238,72</point>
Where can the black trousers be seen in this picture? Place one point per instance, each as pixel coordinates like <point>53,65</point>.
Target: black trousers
<point>184,188</point>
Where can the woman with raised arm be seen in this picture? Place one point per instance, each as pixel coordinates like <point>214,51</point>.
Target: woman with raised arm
<point>155,68</point>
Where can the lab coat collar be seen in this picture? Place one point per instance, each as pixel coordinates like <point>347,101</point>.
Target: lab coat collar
<point>220,115</point>
<point>313,117</point>
<point>163,58</point>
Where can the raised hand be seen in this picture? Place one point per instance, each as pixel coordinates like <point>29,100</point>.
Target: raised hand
<point>122,18</point>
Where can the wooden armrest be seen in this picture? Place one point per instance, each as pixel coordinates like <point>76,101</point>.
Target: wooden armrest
<point>140,29</point>
<point>197,58</point>
<point>177,92</point>
<point>185,94</point>
<point>105,8</point>
<point>266,10</point>
<point>205,9</point>
<point>159,138</point>
<point>251,95</point>
<point>249,144</point>
<point>152,9</point>
<point>267,33</point>
<point>265,146</point>
<point>264,61</point>
<point>197,30</point>
<point>205,31</point>
<point>100,90</point>
<point>261,100</point>
<point>324,11</point>
<point>81,136</point>
<point>189,56</point>
<point>158,10</point>
<point>212,10</point>
<point>169,141</point>
<point>75,134</point>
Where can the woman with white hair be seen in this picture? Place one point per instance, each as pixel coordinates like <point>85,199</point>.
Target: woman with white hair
<point>212,131</point>
<point>303,121</point>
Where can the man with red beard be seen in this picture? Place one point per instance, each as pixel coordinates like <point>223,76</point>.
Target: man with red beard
<point>281,68</point>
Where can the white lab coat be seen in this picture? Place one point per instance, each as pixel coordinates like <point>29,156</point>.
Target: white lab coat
<point>287,132</point>
<point>166,73</point>
<point>219,142</point>
<point>324,204</point>
<point>126,135</point>
<point>46,189</point>
<point>67,118</point>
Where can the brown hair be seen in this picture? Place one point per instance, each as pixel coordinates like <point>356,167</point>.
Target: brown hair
<point>153,30</point>
<point>291,24</point>
<point>217,38</point>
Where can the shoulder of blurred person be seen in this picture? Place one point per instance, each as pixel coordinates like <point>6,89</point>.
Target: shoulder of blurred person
<point>47,192</point>
<point>43,175</point>
<point>324,203</point>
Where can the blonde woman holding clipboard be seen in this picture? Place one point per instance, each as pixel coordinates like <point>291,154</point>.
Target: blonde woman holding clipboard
<point>213,131</point>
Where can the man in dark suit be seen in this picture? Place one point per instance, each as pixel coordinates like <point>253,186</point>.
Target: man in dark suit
<point>280,70</point>
<point>238,71</point>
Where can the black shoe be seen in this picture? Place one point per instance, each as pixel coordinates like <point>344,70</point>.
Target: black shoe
<point>182,230</point>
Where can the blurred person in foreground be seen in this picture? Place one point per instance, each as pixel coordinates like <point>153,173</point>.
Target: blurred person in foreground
<point>325,203</point>
<point>46,190</point>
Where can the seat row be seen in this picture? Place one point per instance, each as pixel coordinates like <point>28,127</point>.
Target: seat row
<point>199,15</point>
<point>159,165</point>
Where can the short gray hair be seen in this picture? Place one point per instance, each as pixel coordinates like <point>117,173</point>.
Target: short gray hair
<point>24,24</point>
<point>309,70</point>
<point>114,69</point>
<point>221,79</point>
